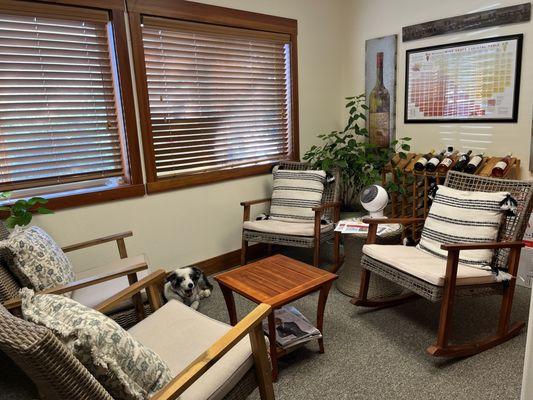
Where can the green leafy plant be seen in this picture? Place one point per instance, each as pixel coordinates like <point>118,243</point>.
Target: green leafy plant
<point>21,211</point>
<point>360,162</point>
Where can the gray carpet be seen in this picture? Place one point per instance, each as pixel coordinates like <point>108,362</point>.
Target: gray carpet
<point>378,354</point>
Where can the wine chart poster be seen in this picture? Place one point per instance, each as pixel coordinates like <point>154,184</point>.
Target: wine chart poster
<point>380,89</point>
<point>476,81</point>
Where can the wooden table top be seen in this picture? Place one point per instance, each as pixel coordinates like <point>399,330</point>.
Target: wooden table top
<point>275,280</point>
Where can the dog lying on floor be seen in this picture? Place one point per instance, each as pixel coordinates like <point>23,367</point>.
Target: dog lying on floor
<point>187,285</point>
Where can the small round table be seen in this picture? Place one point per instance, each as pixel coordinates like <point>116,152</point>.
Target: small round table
<point>350,273</point>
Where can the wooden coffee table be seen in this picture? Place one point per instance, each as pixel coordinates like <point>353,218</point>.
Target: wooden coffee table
<point>276,280</point>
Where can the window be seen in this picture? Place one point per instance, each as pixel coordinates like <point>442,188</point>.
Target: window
<point>219,99</point>
<point>62,125</point>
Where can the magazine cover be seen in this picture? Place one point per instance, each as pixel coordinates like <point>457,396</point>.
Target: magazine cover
<point>292,327</point>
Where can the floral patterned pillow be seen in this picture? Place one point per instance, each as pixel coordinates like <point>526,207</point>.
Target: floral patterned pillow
<point>127,369</point>
<point>38,261</point>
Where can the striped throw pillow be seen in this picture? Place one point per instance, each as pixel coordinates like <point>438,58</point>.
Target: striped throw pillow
<point>463,217</point>
<point>295,194</point>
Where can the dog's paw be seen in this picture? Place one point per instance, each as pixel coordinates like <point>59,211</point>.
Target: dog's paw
<point>205,293</point>
<point>195,305</point>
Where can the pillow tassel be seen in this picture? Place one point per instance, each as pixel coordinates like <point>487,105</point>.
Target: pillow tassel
<point>509,205</point>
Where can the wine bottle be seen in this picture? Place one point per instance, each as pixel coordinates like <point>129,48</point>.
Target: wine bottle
<point>432,164</point>
<point>421,163</point>
<point>379,109</point>
<point>500,169</point>
<point>474,163</point>
<point>462,161</point>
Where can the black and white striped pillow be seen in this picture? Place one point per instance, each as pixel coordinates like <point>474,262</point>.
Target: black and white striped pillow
<point>463,217</point>
<point>295,194</point>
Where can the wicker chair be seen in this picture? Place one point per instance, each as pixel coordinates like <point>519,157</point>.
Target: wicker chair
<point>92,286</point>
<point>506,255</point>
<point>59,375</point>
<point>329,211</point>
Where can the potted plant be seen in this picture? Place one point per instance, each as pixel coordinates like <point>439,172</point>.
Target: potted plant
<point>360,162</point>
<point>21,211</point>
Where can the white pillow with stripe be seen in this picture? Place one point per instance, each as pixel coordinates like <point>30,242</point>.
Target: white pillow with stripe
<point>295,194</point>
<point>458,216</point>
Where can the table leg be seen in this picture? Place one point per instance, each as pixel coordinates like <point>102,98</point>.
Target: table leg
<point>273,347</point>
<point>323,297</point>
<point>230,304</point>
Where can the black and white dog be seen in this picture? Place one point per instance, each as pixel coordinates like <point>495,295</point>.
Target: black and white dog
<point>188,285</point>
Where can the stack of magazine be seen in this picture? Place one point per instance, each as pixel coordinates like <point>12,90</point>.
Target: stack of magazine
<point>292,328</point>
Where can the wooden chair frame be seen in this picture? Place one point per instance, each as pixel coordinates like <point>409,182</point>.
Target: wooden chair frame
<point>130,272</point>
<point>442,348</point>
<point>250,325</point>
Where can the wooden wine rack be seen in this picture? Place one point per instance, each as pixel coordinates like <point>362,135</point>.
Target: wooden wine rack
<point>414,201</point>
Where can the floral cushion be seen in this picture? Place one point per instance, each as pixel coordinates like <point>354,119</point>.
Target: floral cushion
<point>38,261</point>
<point>126,368</point>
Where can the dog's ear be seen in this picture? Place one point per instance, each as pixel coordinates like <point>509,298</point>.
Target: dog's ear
<point>196,274</point>
<point>172,277</point>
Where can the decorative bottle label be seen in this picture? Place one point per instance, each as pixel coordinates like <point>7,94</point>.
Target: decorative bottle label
<point>447,162</point>
<point>379,128</point>
<point>434,161</point>
<point>422,161</point>
<point>475,161</point>
<point>501,165</point>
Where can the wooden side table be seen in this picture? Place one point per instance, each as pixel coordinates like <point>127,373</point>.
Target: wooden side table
<point>276,280</point>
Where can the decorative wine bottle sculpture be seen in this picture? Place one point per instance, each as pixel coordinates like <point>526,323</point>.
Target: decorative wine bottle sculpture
<point>379,109</point>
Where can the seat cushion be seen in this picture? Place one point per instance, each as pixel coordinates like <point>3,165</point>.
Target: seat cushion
<point>179,334</point>
<point>458,216</point>
<point>295,194</point>
<point>425,266</point>
<point>93,295</point>
<point>285,228</point>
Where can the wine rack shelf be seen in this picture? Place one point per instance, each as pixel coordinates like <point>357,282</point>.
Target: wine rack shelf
<point>414,202</point>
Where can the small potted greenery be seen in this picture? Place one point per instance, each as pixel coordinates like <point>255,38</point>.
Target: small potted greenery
<point>360,162</point>
<point>21,211</point>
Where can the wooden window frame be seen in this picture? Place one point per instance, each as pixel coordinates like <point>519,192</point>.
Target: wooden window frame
<point>135,185</point>
<point>203,13</point>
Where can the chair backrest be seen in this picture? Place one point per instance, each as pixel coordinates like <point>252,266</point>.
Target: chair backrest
<point>47,362</point>
<point>9,284</point>
<point>331,189</point>
<point>513,226</point>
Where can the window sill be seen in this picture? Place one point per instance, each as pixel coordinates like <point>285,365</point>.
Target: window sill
<point>184,181</point>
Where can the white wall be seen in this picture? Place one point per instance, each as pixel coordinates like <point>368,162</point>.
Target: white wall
<point>184,226</point>
<point>369,19</point>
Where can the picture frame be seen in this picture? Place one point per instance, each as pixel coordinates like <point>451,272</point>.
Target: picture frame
<point>438,90</point>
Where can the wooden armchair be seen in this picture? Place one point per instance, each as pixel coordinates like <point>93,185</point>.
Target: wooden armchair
<point>93,285</point>
<point>441,280</point>
<point>302,235</point>
<point>59,375</point>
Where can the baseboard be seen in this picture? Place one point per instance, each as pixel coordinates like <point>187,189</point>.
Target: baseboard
<point>232,259</point>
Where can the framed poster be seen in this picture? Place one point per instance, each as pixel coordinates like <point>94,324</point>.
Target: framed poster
<point>380,89</point>
<point>474,81</point>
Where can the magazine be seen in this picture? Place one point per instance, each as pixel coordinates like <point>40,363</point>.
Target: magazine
<point>292,327</point>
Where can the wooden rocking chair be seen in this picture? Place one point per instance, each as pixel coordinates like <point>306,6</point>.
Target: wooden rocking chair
<point>453,279</point>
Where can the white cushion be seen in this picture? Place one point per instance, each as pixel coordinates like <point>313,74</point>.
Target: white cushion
<point>93,295</point>
<point>285,228</point>
<point>179,334</point>
<point>295,194</point>
<point>125,367</point>
<point>425,266</point>
<point>458,216</point>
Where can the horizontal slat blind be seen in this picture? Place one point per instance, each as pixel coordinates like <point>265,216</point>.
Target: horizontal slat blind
<point>58,118</point>
<point>217,100</point>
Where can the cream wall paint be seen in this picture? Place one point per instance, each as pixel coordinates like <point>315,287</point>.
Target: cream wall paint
<point>375,18</point>
<point>181,227</point>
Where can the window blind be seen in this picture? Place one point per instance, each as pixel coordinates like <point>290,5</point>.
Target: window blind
<point>219,97</point>
<point>58,106</point>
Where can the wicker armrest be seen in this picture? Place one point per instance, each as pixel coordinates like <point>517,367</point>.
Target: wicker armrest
<point>249,325</point>
<point>479,246</point>
<point>403,221</point>
<point>95,242</point>
<point>81,283</point>
<point>252,202</point>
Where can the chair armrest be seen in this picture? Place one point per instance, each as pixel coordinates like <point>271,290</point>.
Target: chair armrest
<point>209,357</point>
<point>81,283</point>
<point>479,246</point>
<point>252,202</point>
<point>333,204</point>
<point>153,281</point>
<point>95,242</point>
<point>403,221</point>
